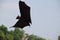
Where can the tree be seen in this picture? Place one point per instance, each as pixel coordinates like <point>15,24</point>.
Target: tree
<point>2,35</point>
<point>58,37</point>
<point>9,37</point>
<point>4,29</point>
<point>18,33</point>
<point>34,37</point>
<point>31,37</point>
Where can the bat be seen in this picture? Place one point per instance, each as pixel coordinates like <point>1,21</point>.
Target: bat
<point>25,18</point>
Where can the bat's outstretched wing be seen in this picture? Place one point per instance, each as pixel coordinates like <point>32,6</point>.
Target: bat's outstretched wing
<point>25,11</point>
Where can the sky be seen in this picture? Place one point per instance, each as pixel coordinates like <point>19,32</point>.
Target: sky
<point>45,16</point>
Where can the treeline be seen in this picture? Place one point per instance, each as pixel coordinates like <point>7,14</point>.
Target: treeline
<point>58,37</point>
<point>15,34</point>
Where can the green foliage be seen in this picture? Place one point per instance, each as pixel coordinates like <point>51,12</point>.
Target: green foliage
<point>9,37</point>
<point>3,28</point>
<point>58,37</point>
<point>2,36</point>
<point>34,37</point>
<point>16,34</point>
<point>16,37</point>
<point>19,32</point>
<point>31,37</point>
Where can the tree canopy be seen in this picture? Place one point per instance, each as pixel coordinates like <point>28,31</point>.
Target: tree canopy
<point>15,34</point>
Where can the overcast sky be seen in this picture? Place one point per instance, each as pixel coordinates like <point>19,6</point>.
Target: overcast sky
<point>45,15</point>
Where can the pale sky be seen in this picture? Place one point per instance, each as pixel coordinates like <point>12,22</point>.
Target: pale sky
<point>45,15</point>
